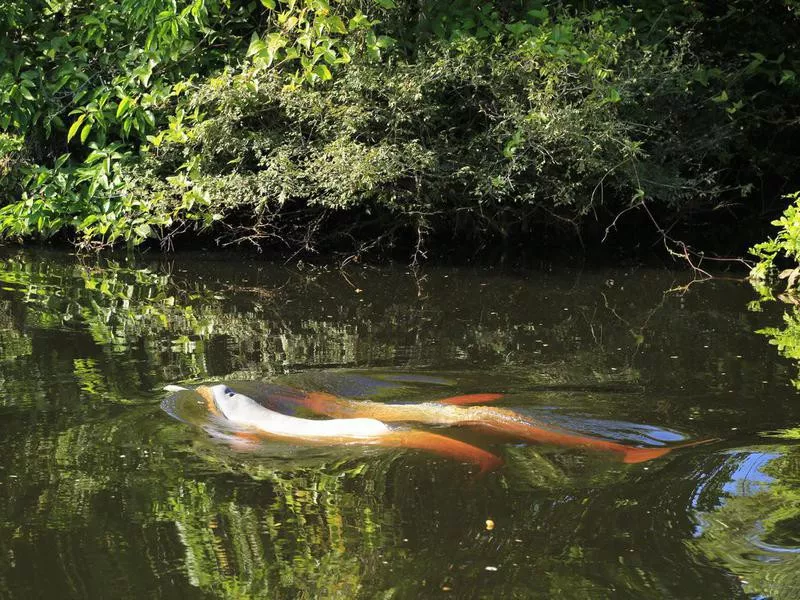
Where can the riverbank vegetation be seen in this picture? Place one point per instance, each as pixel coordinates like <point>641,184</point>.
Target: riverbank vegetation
<point>365,125</point>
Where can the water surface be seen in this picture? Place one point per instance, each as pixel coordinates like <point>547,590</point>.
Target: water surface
<point>103,494</point>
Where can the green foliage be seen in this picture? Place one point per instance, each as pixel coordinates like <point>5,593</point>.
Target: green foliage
<point>125,121</point>
<point>497,134</point>
<point>97,78</point>
<point>784,246</point>
<point>782,249</point>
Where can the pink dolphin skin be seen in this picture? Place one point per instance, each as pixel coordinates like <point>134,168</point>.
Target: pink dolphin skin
<point>452,411</point>
<point>455,411</point>
<point>402,438</point>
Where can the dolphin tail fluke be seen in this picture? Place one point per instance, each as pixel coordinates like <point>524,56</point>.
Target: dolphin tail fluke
<point>637,455</point>
<point>508,424</point>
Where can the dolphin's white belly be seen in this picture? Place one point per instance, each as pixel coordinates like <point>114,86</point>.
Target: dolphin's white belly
<point>242,410</point>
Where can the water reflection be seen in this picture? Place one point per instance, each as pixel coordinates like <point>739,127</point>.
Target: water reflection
<point>101,492</point>
<point>748,514</point>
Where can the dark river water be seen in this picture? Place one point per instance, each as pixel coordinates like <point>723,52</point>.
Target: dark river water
<point>104,493</point>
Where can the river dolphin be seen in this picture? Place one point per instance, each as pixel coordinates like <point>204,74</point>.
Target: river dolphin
<point>367,422</point>
<point>260,421</point>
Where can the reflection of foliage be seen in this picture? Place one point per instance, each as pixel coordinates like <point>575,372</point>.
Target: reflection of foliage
<point>787,338</point>
<point>114,302</point>
<point>126,494</point>
<point>753,530</point>
<point>293,318</point>
<point>300,544</point>
<point>772,574</point>
<point>289,532</point>
<point>13,343</point>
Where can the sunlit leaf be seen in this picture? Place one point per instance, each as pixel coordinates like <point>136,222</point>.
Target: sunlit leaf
<point>75,127</point>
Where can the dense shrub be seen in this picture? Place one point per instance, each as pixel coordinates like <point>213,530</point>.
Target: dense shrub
<point>364,123</point>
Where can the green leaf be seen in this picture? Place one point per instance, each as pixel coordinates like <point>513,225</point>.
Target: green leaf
<point>85,132</point>
<point>722,97</point>
<point>786,75</point>
<point>344,57</point>
<point>91,219</point>
<point>701,76</point>
<point>275,41</point>
<point>612,96</point>
<point>336,24</point>
<point>144,72</point>
<point>75,126</point>
<point>143,230</point>
<point>270,4</point>
<point>26,93</point>
<point>322,72</point>
<point>735,107</point>
<point>61,160</point>
<point>123,106</point>
<point>256,46</point>
<point>540,14</point>
<point>359,21</point>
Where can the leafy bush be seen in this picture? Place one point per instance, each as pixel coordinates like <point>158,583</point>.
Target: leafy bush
<point>785,246</point>
<point>363,123</point>
<point>487,136</point>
